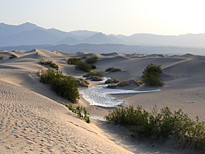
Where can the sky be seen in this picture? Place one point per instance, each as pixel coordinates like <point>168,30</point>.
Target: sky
<point>127,17</point>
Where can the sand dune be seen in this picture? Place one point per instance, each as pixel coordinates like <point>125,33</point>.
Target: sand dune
<point>35,120</point>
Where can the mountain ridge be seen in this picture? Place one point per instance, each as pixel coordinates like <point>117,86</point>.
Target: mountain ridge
<point>14,35</point>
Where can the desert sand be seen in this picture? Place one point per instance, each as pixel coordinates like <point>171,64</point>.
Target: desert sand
<point>34,118</point>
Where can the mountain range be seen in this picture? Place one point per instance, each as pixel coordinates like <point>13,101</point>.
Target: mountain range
<point>31,34</point>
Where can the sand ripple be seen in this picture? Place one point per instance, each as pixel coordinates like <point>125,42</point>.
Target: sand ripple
<point>31,123</point>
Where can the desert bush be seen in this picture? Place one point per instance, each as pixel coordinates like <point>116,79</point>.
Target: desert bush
<point>80,64</point>
<point>129,81</point>
<point>108,81</point>
<point>78,110</point>
<point>73,61</point>
<point>1,58</point>
<point>12,56</point>
<point>116,80</point>
<point>91,60</point>
<point>64,86</point>
<point>84,66</point>
<point>112,81</point>
<point>164,124</point>
<point>49,63</point>
<point>112,86</point>
<point>112,69</point>
<point>82,82</point>
<point>96,78</point>
<point>151,75</point>
<point>84,57</point>
<point>93,73</point>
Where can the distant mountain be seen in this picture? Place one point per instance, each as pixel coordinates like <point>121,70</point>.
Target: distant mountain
<point>68,40</point>
<point>82,34</point>
<point>98,38</point>
<point>37,36</point>
<point>8,30</point>
<point>31,34</point>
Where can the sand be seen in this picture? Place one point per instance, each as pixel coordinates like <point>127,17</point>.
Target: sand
<point>35,120</point>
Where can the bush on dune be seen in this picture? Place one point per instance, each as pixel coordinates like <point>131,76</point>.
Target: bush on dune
<point>112,69</point>
<point>151,75</point>
<point>73,61</point>
<point>78,111</point>
<point>1,58</point>
<point>12,56</point>
<point>65,86</point>
<point>83,65</point>
<point>165,124</point>
<point>91,60</point>
<point>49,63</point>
<point>93,73</point>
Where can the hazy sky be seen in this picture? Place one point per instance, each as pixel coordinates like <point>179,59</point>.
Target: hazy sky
<point>167,17</point>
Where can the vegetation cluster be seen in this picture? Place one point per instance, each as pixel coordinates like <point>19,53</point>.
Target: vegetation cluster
<point>81,82</point>
<point>93,73</point>
<point>49,63</point>
<point>108,81</point>
<point>65,86</point>
<point>151,75</point>
<point>86,65</point>
<point>91,60</point>
<point>1,58</point>
<point>162,125</point>
<point>78,110</point>
<point>129,81</point>
<point>112,69</point>
<point>12,56</point>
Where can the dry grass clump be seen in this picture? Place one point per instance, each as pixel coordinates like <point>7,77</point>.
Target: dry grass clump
<point>129,81</point>
<point>82,82</point>
<point>108,81</point>
<point>112,86</point>
<point>93,73</point>
<point>96,78</point>
<point>112,69</point>
<point>161,125</point>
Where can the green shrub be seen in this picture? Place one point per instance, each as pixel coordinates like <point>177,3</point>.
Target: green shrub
<point>49,63</point>
<point>112,69</point>
<point>165,124</point>
<point>80,64</point>
<point>12,56</point>
<point>78,111</point>
<point>116,80</point>
<point>93,73</point>
<point>84,57</point>
<point>84,66</point>
<point>73,61</point>
<point>1,58</point>
<point>91,60</point>
<point>151,75</point>
<point>64,86</point>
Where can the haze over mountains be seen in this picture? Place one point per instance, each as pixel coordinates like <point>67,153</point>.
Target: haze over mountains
<point>30,35</point>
